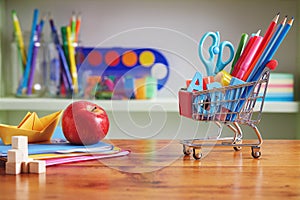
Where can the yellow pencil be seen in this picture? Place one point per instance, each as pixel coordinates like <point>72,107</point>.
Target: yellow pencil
<point>72,60</point>
<point>19,35</point>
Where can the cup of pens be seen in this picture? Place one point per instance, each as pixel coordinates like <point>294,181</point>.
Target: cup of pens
<point>28,60</point>
<point>40,67</point>
<point>35,86</point>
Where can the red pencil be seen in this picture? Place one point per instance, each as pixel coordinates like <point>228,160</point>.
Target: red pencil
<point>263,45</point>
<point>244,53</point>
<point>77,29</point>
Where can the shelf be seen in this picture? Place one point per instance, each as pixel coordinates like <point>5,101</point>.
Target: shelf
<point>154,105</point>
<point>49,104</point>
<point>281,107</point>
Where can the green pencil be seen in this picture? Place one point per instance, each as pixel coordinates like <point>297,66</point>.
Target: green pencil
<point>239,50</point>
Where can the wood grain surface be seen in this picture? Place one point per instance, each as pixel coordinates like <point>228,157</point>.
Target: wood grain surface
<point>157,169</point>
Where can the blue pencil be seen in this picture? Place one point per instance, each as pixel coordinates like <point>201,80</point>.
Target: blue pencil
<point>273,50</point>
<point>268,47</point>
<point>280,38</point>
<point>62,56</point>
<point>33,64</point>
<point>41,25</point>
<point>29,55</point>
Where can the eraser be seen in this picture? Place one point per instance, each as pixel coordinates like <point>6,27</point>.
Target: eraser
<point>223,77</point>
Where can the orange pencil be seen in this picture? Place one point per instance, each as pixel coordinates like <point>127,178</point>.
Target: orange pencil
<point>263,45</point>
<point>77,29</point>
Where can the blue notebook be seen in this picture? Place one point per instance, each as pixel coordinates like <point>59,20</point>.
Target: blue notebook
<point>60,145</point>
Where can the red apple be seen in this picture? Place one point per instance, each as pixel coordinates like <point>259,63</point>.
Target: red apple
<point>84,123</point>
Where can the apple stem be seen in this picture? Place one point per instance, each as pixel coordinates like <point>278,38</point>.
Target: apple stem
<point>94,109</point>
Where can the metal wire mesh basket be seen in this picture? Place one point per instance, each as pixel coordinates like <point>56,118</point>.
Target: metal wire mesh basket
<point>230,105</point>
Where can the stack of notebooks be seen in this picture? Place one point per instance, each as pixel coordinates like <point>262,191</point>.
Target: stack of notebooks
<point>281,87</point>
<point>59,151</point>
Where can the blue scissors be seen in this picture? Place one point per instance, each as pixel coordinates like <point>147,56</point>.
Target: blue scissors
<point>215,48</point>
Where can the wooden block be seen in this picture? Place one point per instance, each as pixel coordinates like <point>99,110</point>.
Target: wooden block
<point>25,165</point>
<point>37,166</point>
<point>15,155</point>
<point>12,168</point>
<point>25,154</point>
<point>19,142</point>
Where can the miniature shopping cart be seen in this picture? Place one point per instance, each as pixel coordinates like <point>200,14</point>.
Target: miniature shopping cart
<point>230,105</point>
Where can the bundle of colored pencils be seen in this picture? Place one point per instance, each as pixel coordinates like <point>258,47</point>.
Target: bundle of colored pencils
<point>29,58</point>
<point>66,52</point>
<point>253,56</point>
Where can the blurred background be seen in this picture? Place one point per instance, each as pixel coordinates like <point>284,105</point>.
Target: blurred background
<point>174,27</point>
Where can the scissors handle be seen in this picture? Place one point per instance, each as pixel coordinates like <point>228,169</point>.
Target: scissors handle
<point>220,63</point>
<point>213,49</point>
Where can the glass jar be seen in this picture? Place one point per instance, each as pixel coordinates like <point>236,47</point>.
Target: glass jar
<point>58,84</point>
<point>53,72</point>
<point>28,80</point>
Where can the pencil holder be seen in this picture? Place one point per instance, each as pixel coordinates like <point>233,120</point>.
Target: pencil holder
<point>59,77</point>
<point>53,71</point>
<point>28,74</point>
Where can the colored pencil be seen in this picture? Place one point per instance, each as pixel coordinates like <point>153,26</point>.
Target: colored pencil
<point>24,81</point>
<point>73,68</point>
<point>279,40</point>
<point>73,26</point>
<point>272,41</point>
<point>33,64</point>
<point>63,31</point>
<point>66,70</point>
<point>255,76</point>
<point>263,45</point>
<point>78,24</point>
<point>19,35</point>
<point>41,26</point>
<point>239,50</point>
<point>250,56</point>
<point>245,53</point>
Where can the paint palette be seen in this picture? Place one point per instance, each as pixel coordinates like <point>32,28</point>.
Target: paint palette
<point>121,73</point>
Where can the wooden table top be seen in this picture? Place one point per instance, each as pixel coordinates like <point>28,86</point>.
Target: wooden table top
<point>157,169</point>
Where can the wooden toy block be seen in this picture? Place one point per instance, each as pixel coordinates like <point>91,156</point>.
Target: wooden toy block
<point>15,156</point>
<point>12,168</point>
<point>19,142</point>
<point>25,165</point>
<point>37,166</point>
<point>25,154</point>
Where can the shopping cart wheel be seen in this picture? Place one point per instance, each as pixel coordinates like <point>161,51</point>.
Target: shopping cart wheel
<point>238,148</point>
<point>197,154</point>
<point>187,150</point>
<point>255,152</point>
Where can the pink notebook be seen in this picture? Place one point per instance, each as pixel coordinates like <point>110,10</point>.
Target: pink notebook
<point>57,161</point>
